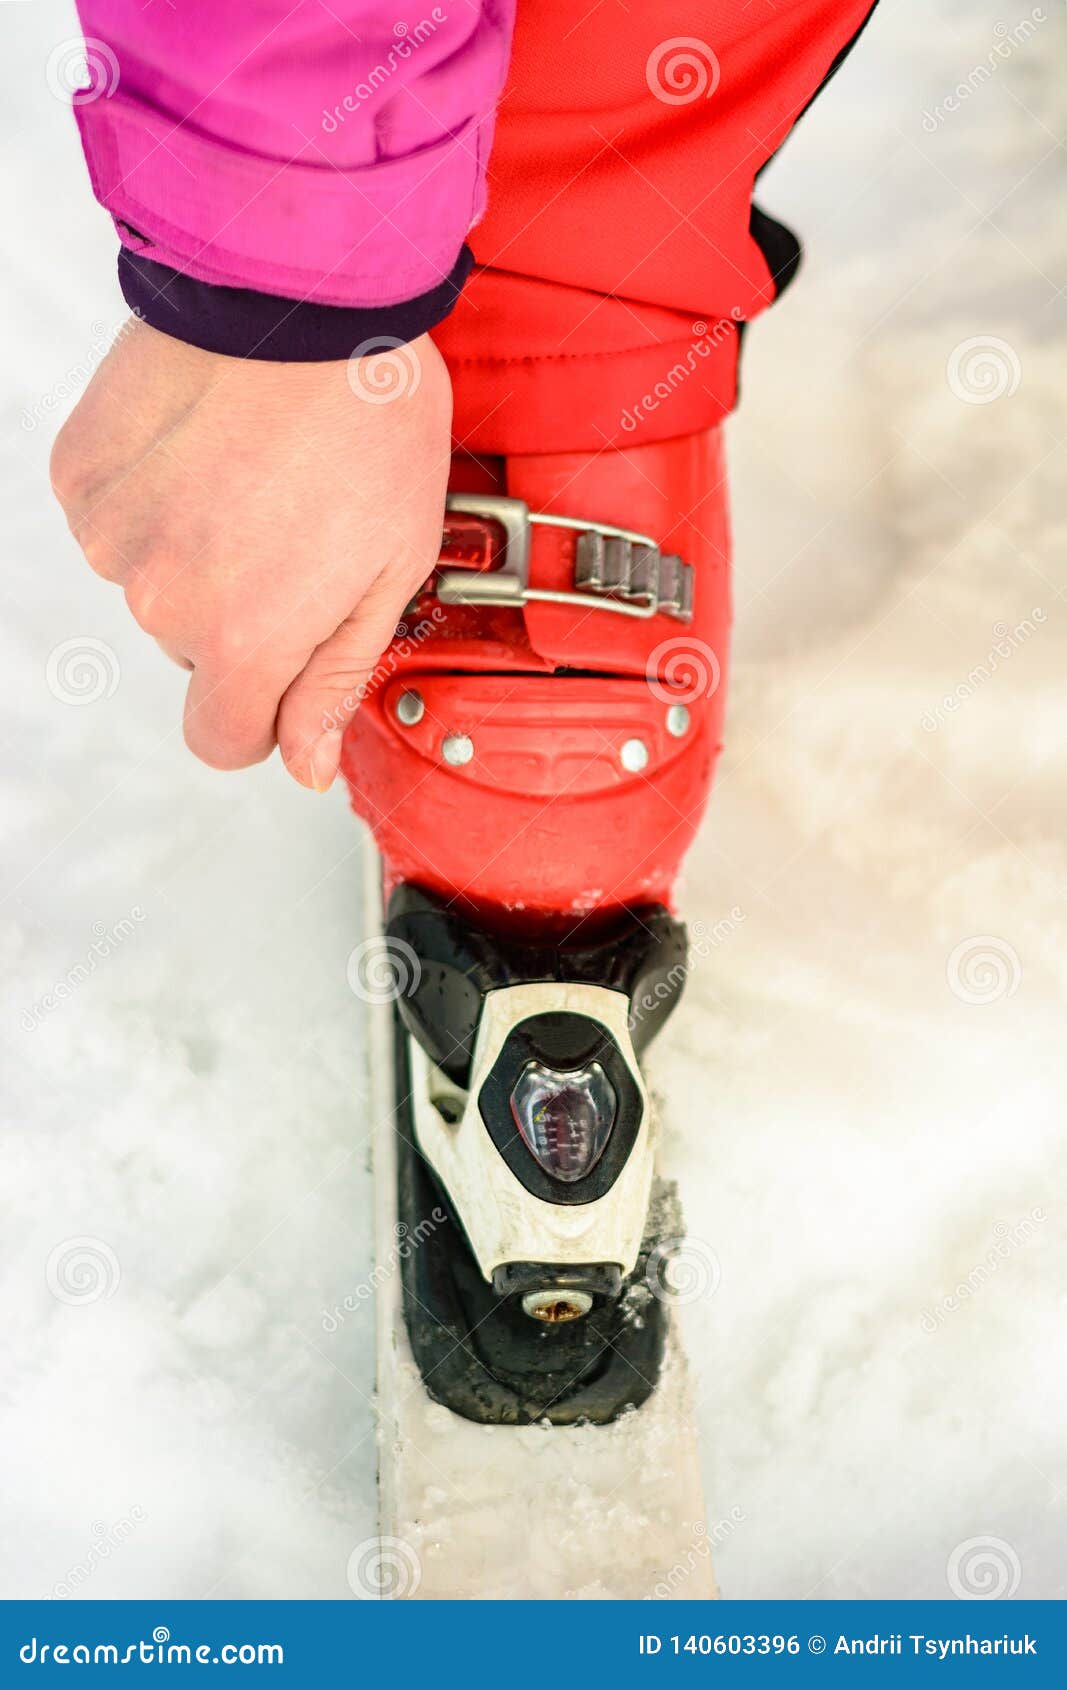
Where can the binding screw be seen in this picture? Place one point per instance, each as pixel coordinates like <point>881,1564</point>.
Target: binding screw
<point>553,1307</point>
<point>634,756</point>
<point>677,720</point>
<point>457,749</point>
<point>410,708</point>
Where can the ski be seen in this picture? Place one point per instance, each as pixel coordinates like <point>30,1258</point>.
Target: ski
<point>511,1465</point>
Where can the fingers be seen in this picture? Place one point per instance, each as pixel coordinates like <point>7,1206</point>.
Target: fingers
<point>232,702</point>
<point>219,495</point>
<point>103,556</point>
<point>326,694</point>
<point>102,530</point>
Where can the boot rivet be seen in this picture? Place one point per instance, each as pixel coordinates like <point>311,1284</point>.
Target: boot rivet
<point>410,708</point>
<point>457,749</point>
<point>634,756</point>
<point>677,720</point>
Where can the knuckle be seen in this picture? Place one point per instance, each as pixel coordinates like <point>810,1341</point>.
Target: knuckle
<point>233,642</point>
<point>149,606</point>
<point>68,470</point>
<point>98,552</point>
<point>336,679</point>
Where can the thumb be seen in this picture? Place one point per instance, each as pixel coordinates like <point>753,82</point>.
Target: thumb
<point>318,705</point>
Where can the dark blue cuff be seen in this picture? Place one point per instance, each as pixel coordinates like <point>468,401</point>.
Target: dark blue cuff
<point>243,324</point>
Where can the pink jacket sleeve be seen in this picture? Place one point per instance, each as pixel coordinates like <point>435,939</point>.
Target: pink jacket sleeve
<point>332,151</point>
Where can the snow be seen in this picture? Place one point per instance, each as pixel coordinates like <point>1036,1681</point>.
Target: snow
<point>866,1114</point>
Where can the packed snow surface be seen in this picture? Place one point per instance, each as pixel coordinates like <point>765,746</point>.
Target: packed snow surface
<point>867,1082</point>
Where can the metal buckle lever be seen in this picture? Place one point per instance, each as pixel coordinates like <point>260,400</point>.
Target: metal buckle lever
<point>616,569</point>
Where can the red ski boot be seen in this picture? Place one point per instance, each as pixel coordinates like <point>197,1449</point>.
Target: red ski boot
<point>534,761</point>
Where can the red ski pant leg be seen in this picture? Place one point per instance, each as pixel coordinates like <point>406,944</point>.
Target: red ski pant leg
<point>619,251</point>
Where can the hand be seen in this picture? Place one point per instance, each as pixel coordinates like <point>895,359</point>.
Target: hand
<point>268,523</point>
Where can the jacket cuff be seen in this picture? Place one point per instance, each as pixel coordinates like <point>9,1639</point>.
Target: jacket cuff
<point>241,323</point>
<point>368,235</point>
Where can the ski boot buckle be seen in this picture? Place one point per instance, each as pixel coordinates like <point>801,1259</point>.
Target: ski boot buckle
<point>615,569</point>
